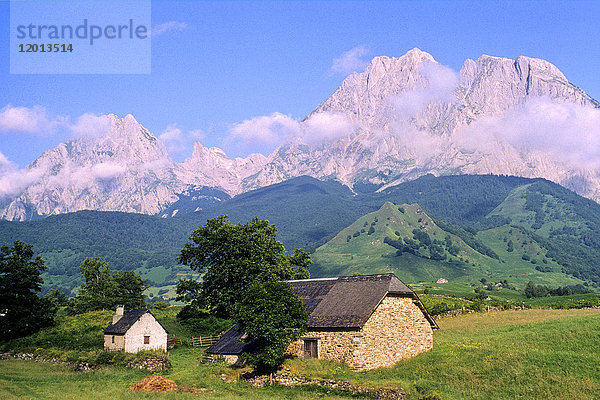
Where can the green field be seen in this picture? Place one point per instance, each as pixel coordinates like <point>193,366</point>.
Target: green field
<point>362,248</point>
<point>532,354</point>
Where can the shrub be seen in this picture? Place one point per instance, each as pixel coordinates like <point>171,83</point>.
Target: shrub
<point>161,305</point>
<point>105,357</point>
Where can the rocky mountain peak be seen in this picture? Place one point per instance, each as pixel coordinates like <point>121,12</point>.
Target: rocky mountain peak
<point>409,116</point>
<point>540,68</point>
<point>205,155</point>
<point>364,96</point>
<point>417,55</point>
<point>492,85</point>
<point>212,167</point>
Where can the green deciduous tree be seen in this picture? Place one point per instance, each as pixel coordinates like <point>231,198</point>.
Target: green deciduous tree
<point>22,311</point>
<point>102,290</point>
<point>273,317</point>
<point>436,252</point>
<point>243,267</point>
<point>130,289</point>
<point>56,297</point>
<point>231,257</point>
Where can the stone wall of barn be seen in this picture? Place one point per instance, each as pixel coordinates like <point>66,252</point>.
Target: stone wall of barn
<point>331,345</point>
<point>145,326</point>
<point>396,330</point>
<point>114,342</point>
<point>234,359</point>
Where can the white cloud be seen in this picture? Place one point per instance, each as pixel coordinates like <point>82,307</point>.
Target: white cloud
<point>80,177</point>
<point>33,121</point>
<point>5,164</point>
<point>325,128</point>
<point>37,121</point>
<point>439,86</point>
<point>568,132</point>
<point>90,125</point>
<point>107,170</point>
<point>172,137</point>
<point>265,133</point>
<point>169,26</point>
<point>197,134</point>
<point>350,61</point>
<point>13,180</point>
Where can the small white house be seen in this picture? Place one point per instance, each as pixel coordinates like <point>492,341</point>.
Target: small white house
<point>135,330</point>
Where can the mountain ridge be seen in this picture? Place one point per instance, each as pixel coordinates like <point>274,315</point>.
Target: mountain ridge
<point>402,118</point>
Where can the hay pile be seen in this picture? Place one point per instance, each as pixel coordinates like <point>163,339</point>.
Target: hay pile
<point>154,383</point>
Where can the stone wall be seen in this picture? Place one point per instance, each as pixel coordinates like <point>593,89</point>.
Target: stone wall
<point>145,326</point>
<point>331,345</point>
<point>119,342</point>
<point>396,330</point>
<point>234,359</point>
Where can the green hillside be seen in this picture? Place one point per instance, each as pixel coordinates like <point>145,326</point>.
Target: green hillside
<point>309,213</point>
<point>362,248</point>
<point>405,240</point>
<point>306,211</point>
<point>566,224</point>
<point>126,241</point>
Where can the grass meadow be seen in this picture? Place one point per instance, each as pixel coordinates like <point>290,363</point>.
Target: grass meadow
<point>531,354</point>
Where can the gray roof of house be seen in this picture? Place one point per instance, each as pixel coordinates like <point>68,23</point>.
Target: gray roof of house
<point>336,303</point>
<point>348,302</point>
<point>129,318</point>
<point>231,343</point>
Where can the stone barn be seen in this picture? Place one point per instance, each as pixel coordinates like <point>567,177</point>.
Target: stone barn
<point>365,321</point>
<point>135,330</point>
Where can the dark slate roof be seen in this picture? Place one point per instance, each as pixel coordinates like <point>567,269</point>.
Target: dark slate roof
<point>129,318</point>
<point>349,301</point>
<point>231,343</point>
<point>335,303</point>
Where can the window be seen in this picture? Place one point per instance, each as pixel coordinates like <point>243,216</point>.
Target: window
<point>310,348</point>
<point>113,338</point>
<point>146,339</point>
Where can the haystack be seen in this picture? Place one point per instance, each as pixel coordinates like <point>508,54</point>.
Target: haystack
<point>154,383</point>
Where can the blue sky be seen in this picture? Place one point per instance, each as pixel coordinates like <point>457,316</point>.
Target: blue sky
<point>216,64</point>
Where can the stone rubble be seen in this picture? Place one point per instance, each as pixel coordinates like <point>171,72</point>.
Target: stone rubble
<point>151,364</point>
<point>286,378</point>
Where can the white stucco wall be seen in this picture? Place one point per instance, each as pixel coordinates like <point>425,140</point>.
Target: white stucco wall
<point>145,326</point>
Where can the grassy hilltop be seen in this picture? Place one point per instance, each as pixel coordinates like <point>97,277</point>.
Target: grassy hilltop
<point>405,240</point>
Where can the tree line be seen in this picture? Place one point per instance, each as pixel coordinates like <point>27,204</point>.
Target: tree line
<point>23,311</point>
<point>533,290</point>
<point>243,267</point>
